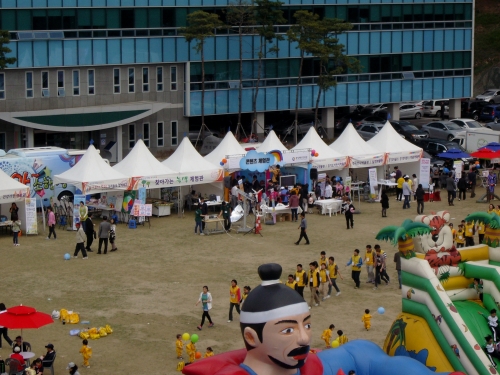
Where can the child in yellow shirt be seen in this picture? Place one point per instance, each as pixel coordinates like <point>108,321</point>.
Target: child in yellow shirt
<point>209,353</point>
<point>366,319</point>
<point>460,237</point>
<point>179,346</point>
<point>342,339</point>
<point>86,351</point>
<point>327,335</point>
<point>191,351</point>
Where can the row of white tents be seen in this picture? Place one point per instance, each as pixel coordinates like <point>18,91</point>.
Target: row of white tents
<point>187,167</point>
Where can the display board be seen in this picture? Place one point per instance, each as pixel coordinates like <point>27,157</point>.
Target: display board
<point>76,209</point>
<point>31,223</point>
<point>425,170</point>
<point>287,180</point>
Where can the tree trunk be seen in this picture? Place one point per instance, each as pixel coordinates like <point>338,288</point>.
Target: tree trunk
<point>240,86</point>
<point>257,84</point>
<point>406,247</point>
<point>317,98</point>
<point>202,92</point>
<point>296,121</point>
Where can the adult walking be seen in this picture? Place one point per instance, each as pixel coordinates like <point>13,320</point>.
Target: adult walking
<point>406,192</point>
<point>51,222</point>
<point>349,213</point>
<point>356,262</point>
<point>293,202</point>
<point>462,187</point>
<point>4,330</point>
<point>103,234</point>
<point>419,194</point>
<point>384,201</point>
<point>451,188</point>
<point>80,242</point>
<point>380,269</point>
<point>204,213</point>
<point>225,212</point>
<point>89,231</point>
<point>206,304</point>
<point>471,179</point>
<point>303,229</point>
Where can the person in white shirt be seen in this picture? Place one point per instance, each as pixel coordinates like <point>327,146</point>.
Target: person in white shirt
<point>490,349</point>
<point>328,191</point>
<point>492,323</point>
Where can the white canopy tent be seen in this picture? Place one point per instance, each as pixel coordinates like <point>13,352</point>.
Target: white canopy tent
<point>93,175</point>
<point>190,167</point>
<point>328,159</point>
<point>140,164</point>
<point>12,190</point>
<point>360,154</point>
<point>271,143</point>
<point>228,148</point>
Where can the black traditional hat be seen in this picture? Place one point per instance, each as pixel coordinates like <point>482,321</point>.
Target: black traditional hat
<point>271,300</point>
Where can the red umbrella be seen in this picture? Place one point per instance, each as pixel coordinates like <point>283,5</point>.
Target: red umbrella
<point>21,317</point>
<point>486,153</point>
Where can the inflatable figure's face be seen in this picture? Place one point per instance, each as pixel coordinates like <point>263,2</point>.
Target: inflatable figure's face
<point>438,245</point>
<point>285,342</point>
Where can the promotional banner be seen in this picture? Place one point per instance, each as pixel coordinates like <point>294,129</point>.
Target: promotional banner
<point>360,162</point>
<point>347,185</point>
<point>403,157</point>
<point>194,178</point>
<point>458,165</point>
<point>425,170</point>
<point>372,173</point>
<point>257,161</point>
<point>31,223</point>
<point>330,164</point>
<point>141,194</point>
<point>322,183</point>
<point>296,156</point>
<point>76,209</point>
<point>128,201</point>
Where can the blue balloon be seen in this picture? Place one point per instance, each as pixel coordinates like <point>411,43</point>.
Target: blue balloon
<point>381,310</point>
<point>337,179</point>
<point>67,256</point>
<point>478,166</point>
<point>221,163</point>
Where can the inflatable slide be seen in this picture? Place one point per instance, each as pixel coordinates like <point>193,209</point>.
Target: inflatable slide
<point>443,322</point>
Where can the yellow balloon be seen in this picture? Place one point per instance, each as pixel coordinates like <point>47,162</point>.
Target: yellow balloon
<point>186,336</point>
<point>335,344</point>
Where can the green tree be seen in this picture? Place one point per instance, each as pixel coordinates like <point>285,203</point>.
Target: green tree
<point>268,13</point>
<point>4,39</point>
<point>317,37</point>
<point>240,14</point>
<point>332,60</point>
<point>201,25</point>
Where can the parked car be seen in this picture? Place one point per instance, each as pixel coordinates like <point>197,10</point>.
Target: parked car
<point>433,107</point>
<point>435,146</point>
<point>357,119</point>
<point>368,131</point>
<point>373,108</point>
<point>302,129</point>
<point>491,96</point>
<point>443,130</point>
<point>490,113</point>
<point>467,123</point>
<point>410,110</point>
<point>409,131</point>
<point>472,108</point>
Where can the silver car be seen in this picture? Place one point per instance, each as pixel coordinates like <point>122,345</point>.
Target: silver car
<point>410,110</point>
<point>433,107</point>
<point>368,131</point>
<point>443,130</point>
<point>467,123</point>
<point>490,96</point>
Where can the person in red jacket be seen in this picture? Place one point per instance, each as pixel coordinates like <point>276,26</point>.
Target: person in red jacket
<point>18,357</point>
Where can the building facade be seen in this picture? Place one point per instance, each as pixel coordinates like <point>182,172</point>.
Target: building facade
<point>115,71</point>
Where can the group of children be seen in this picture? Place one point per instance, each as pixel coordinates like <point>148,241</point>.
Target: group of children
<point>464,235</point>
<point>190,350</point>
<point>492,347</point>
<point>342,339</point>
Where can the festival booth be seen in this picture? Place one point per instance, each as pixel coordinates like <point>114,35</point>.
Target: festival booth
<point>92,175</point>
<point>144,170</point>
<point>398,152</point>
<point>191,169</point>
<point>12,191</point>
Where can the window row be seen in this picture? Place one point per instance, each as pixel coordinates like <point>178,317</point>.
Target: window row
<point>91,86</point>
<point>143,132</point>
<point>285,68</point>
<point>128,18</point>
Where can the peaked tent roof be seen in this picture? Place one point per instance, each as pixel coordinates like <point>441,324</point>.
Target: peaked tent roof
<point>140,162</point>
<point>398,150</point>
<point>93,175</point>
<point>271,143</point>
<point>328,159</point>
<point>228,146</point>
<point>360,153</point>
<point>191,167</point>
<point>12,190</point>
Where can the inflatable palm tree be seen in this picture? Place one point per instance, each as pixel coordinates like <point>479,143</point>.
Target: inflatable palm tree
<point>402,236</point>
<point>492,232</point>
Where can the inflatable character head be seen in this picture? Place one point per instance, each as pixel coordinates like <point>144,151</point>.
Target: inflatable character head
<point>275,324</point>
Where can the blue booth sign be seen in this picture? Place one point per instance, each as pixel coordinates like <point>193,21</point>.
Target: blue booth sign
<point>257,161</point>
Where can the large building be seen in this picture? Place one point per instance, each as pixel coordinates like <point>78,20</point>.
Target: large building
<point>115,71</point>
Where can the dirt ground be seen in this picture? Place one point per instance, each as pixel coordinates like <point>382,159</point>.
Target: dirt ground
<point>147,289</point>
